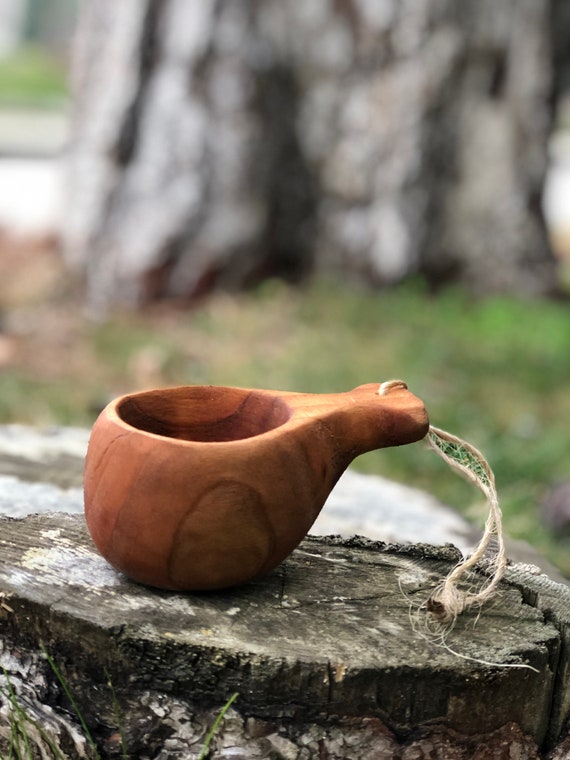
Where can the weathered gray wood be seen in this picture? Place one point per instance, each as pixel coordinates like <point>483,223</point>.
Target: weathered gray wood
<point>322,650</point>
<point>53,455</point>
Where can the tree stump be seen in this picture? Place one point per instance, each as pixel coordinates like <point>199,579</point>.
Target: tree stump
<point>326,655</point>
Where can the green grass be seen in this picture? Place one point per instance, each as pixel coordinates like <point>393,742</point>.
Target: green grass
<point>494,372</point>
<point>31,77</point>
<point>22,724</point>
<point>215,726</point>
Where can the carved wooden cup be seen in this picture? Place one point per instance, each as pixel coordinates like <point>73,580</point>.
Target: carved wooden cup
<point>203,487</point>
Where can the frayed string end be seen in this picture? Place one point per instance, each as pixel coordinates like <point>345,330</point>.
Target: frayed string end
<point>449,600</point>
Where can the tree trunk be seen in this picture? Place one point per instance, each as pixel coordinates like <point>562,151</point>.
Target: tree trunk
<point>220,142</point>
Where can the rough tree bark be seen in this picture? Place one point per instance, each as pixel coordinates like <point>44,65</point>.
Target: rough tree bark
<point>224,141</point>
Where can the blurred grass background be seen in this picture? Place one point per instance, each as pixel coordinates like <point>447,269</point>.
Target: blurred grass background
<point>493,371</point>
<point>30,76</point>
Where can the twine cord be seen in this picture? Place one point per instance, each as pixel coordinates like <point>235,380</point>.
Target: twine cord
<point>434,619</point>
<point>449,600</point>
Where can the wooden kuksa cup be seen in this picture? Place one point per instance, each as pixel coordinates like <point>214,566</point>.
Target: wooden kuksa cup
<point>204,487</point>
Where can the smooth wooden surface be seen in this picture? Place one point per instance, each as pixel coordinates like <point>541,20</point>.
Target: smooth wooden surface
<point>325,638</point>
<point>206,487</point>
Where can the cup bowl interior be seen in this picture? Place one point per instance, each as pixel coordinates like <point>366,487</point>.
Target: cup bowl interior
<point>204,413</point>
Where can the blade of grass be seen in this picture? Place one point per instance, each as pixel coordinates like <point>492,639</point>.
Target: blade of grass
<point>17,727</point>
<point>216,725</point>
<point>73,703</point>
<point>118,717</point>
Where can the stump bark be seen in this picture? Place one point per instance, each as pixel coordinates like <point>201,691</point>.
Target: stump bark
<point>325,654</point>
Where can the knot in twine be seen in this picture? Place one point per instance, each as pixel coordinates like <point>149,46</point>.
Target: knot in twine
<point>449,599</point>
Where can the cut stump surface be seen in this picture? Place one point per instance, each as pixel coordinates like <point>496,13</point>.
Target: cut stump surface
<point>323,652</point>
<point>326,638</point>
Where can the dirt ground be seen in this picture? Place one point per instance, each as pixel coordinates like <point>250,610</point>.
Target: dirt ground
<point>37,301</point>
